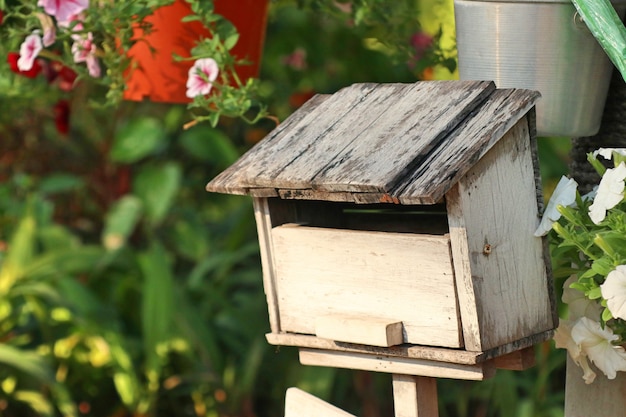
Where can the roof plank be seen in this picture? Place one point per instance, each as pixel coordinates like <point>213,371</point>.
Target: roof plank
<point>418,120</point>
<point>465,146</point>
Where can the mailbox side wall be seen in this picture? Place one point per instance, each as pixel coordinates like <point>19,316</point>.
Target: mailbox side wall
<point>501,271</point>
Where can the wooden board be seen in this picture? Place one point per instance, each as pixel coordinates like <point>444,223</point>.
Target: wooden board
<point>602,398</point>
<point>299,403</point>
<point>395,276</point>
<point>501,273</point>
<point>264,230</point>
<point>392,120</point>
<point>458,154</point>
<point>355,329</point>
<point>402,351</point>
<point>393,365</point>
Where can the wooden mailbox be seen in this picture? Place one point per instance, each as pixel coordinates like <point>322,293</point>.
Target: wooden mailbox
<point>396,228</point>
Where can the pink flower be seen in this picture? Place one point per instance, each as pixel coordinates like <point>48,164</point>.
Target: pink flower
<point>49,30</point>
<point>84,50</point>
<point>201,77</point>
<point>63,10</point>
<point>28,52</point>
<point>14,57</point>
<point>421,42</point>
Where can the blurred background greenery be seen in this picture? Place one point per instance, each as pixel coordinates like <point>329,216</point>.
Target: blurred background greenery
<point>127,290</point>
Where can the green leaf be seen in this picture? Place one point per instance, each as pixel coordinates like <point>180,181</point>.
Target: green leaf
<point>597,165</point>
<point>26,361</point>
<point>607,27</point>
<point>37,401</point>
<point>65,262</point>
<point>58,183</point>
<point>137,139</point>
<point>19,255</point>
<point>125,378</point>
<point>121,221</point>
<point>55,237</point>
<point>594,293</point>
<point>157,186</point>
<point>603,266</point>
<point>210,145</point>
<point>157,304</point>
<point>606,315</point>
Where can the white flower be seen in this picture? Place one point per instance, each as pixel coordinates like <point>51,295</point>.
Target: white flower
<point>564,195</point>
<point>610,193</point>
<point>578,304</point>
<point>201,77</point>
<point>29,50</point>
<point>563,340</point>
<point>614,291</point>
<point>607,153</point>
<point>595,343</point>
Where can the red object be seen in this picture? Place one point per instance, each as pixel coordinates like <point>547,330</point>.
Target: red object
<point>12,59</point>
<point>1,17</point>
<point>158,78</point>
<point>62,116</point>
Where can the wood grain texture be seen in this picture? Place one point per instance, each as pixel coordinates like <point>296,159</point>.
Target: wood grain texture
<point>371,143</point>
<point>392,365</point>
<point>234,180</point>
<point>414,396</point>
<point>264,230</point>
<point>395,276</point>
<point>460,356</point>
<point>464,147</point>
<point>492,217</point>
<point>299,403</point>
<point>516,361</point>
<point>385,147</point>
<point>602,398</point>
<point>358,329</point>
<point>408,351</point>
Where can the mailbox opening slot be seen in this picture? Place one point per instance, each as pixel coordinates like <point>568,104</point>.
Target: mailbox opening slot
<point>427,219</point>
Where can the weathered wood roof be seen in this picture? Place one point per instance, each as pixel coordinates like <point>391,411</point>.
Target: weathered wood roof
<point>367,143</point>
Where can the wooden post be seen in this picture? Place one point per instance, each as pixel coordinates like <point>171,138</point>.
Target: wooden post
<point>602,398</point>
<point>415,396</point>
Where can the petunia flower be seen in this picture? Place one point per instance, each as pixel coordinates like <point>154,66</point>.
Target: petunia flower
<point>614,291</point>
<point>607,153</point>
<point>610,193</point>
<point>201,76</point>
<point>596,343</point>
<point>29,50</point>
<point>84,50</point>
<point>63,10</point>
<point>563,340</point>
<point>14,57</point>
<point>564,195</point>
<point>578,304</point>
<point>49,29</point>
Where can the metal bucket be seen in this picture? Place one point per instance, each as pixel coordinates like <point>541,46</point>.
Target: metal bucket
<point>539,45</point>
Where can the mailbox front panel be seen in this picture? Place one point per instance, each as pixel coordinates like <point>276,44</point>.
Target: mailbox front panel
<point>368,275</point>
